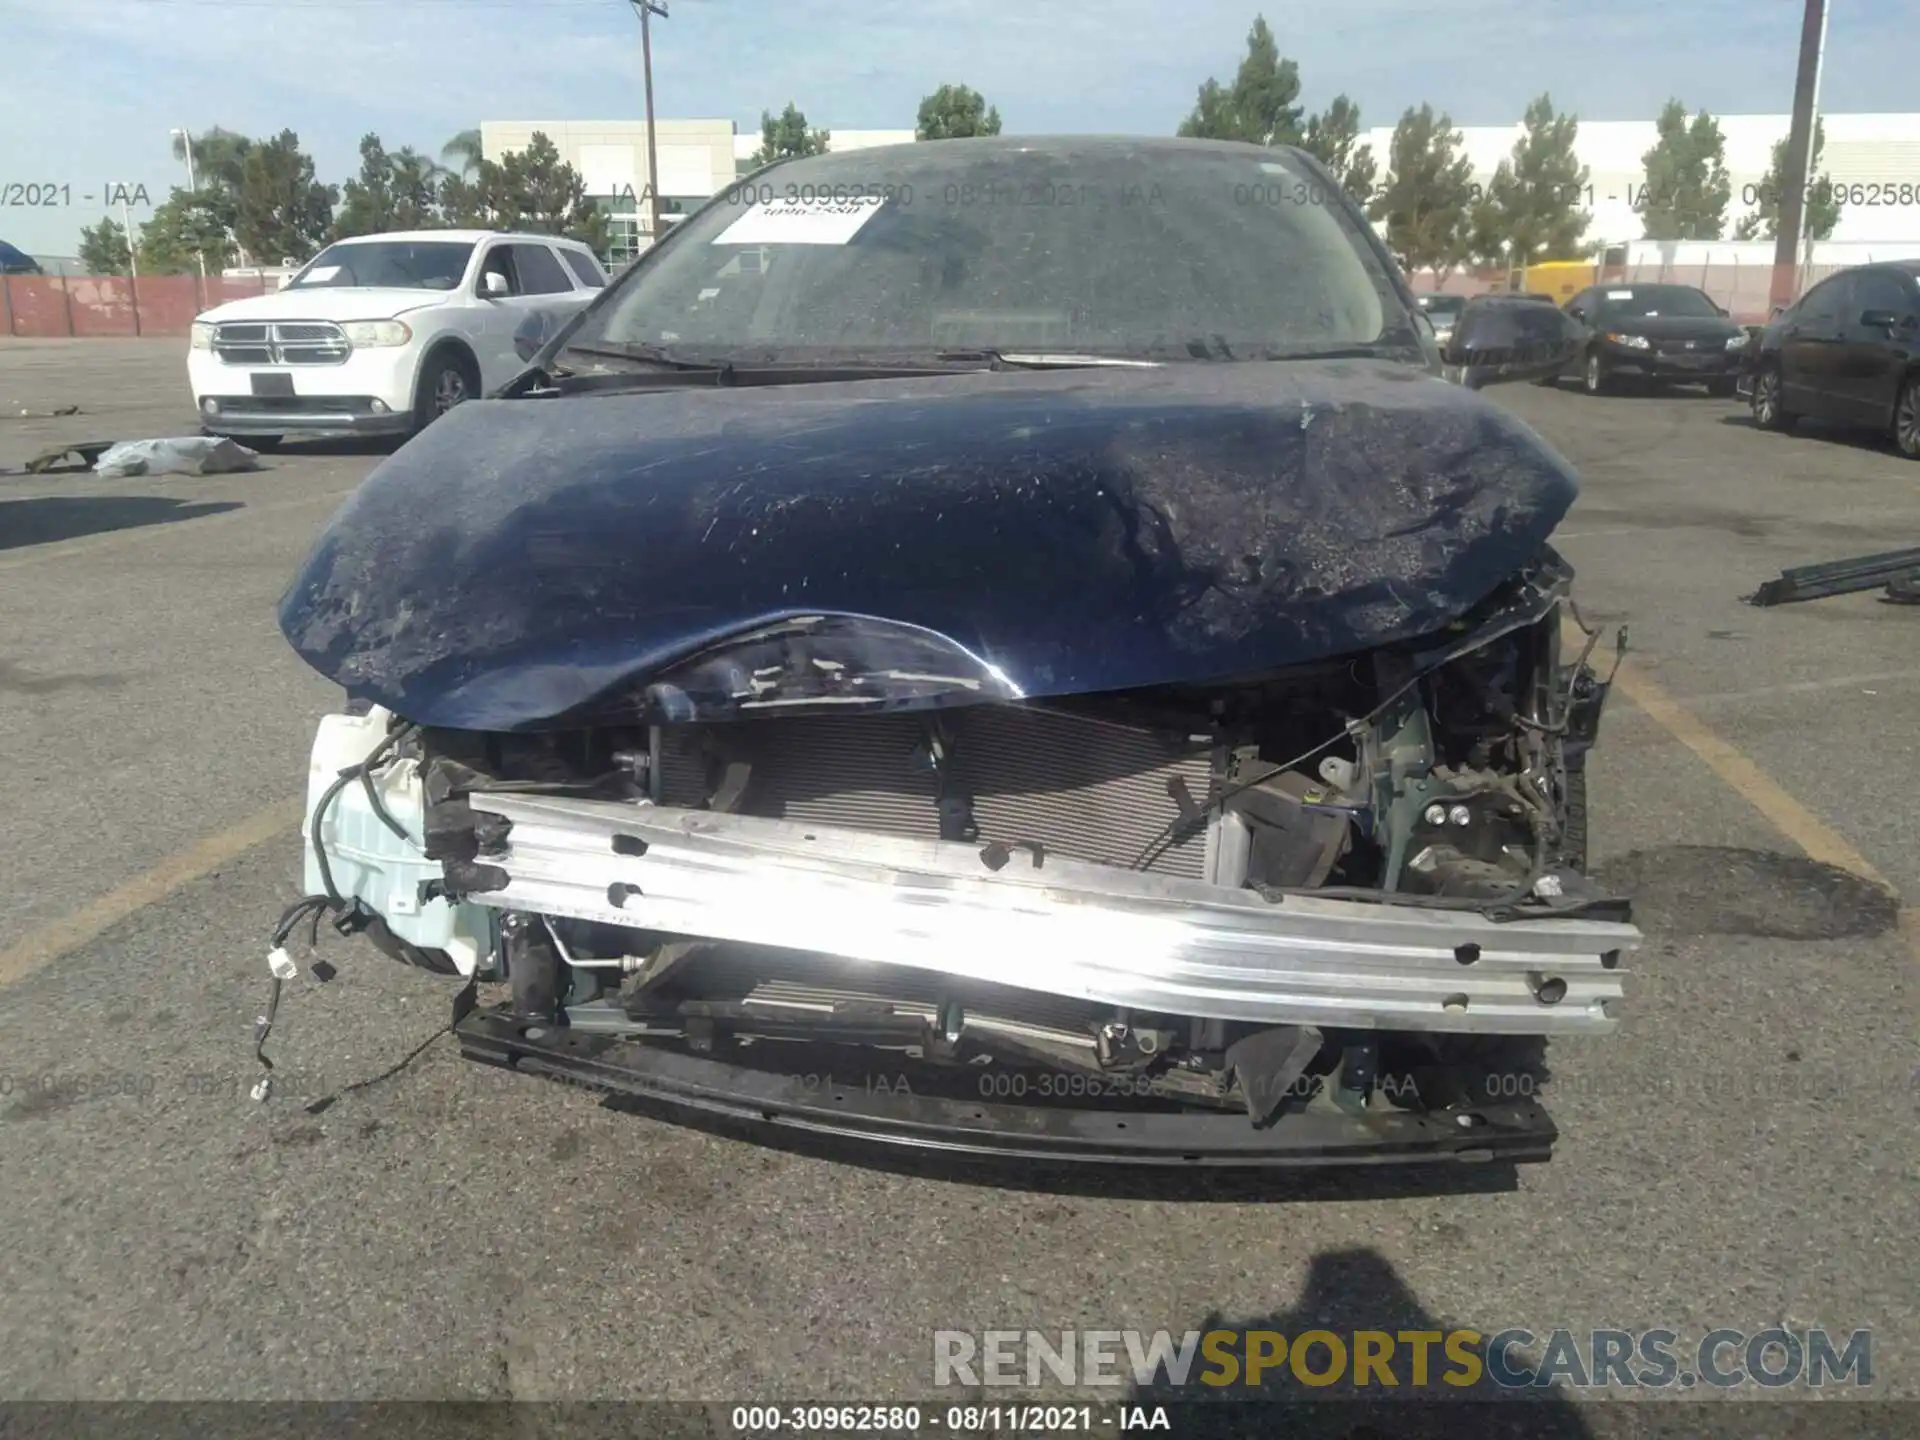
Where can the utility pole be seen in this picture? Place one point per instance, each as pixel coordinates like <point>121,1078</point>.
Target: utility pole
<point>648,8</point>
<point>133,249</point>
<point>1796,164</point>
<point>186,144</point>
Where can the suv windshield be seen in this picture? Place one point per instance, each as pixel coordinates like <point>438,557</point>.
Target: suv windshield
<point>1647,302</point>
<point>1130,249</point>
<point>404,264</point>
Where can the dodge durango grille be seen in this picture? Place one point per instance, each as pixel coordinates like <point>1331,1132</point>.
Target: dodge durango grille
<point>303,342</point>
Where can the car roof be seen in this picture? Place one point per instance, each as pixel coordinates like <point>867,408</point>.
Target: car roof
<point>463,237</point>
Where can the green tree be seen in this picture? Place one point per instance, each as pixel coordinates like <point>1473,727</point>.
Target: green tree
<point>531,189</point>
<point>1686,191</point>
<point>104,249</point>
<point>786,137</point>
<point>955,112</point>
<point>1483,237</point>
<point>398,191</point>
<point>1427,198</point>
<point>464,152</point>
<point>1333,138</point>
<point>187,226</point>
<point>1534,202</point>
<point>1259,107</point>
<point>219,158</point>
<point>285,213</point>
<point>1819,209</point>
<point>552,196</point>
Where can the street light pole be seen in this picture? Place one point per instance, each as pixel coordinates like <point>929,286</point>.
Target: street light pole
<point>646,9</point>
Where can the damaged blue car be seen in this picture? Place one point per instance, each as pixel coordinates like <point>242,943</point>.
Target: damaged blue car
<point>1012,646</point>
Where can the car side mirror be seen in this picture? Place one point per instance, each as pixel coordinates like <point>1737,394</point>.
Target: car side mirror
<point>494,285</point>
<point>1878,319</point>
<point>1499,341</point>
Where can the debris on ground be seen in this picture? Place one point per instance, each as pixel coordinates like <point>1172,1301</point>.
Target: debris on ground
<point>54,414</point>
<point>1905,590</point>
<point>1841,577</point>
<point>76,455</point>
<point>186,455</point>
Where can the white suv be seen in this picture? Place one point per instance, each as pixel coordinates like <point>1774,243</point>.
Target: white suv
<point>381,334</point>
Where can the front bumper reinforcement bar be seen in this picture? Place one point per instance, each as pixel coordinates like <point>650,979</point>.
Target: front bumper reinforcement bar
<point>1082,931</point>
<point>1509,1131</point>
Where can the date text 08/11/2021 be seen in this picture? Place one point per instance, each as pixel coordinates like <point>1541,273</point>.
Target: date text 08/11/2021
<point>895,1419</point>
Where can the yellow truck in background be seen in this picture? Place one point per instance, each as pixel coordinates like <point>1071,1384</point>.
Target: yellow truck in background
<point>1561,279</point>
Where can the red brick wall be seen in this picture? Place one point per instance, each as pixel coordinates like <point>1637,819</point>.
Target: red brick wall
<point>85,306</point>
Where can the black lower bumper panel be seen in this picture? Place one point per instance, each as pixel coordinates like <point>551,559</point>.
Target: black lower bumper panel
<point>885,1110</point>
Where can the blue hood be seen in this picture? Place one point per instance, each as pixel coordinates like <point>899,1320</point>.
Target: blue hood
<point>524,563</point>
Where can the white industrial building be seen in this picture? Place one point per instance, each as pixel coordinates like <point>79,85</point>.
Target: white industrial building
<point>698,158</point>
<point>1877,157</point>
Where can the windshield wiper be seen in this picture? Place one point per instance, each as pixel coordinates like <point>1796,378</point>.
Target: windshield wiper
<point>1025,361</point>
<point>646,355</point>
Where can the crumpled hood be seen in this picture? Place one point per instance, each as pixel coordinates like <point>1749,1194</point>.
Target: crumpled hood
<point>1082,530</point>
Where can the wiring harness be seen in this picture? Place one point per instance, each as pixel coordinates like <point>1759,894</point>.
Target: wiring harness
<point>351,916</point>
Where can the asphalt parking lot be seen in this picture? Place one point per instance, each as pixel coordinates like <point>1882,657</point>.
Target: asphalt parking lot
<point>1743,1154</point>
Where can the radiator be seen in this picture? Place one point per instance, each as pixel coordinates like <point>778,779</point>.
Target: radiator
<point>1081,788</point>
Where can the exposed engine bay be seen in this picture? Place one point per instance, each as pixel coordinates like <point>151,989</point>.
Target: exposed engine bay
<point>1253,897</point>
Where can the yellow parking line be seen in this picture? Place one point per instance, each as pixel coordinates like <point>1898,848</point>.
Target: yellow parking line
<point>1813,835</point>
<point>116,539</point>
<point>43,946</point>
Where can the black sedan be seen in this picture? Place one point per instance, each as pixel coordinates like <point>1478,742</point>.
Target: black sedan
<point>1848,352</point>
<point>1658,334</point>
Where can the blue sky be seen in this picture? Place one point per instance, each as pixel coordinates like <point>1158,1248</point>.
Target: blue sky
<point>93,86</point>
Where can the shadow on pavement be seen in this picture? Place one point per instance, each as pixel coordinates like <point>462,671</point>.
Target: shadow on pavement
<point>379,445</point>
<point>1359,1290</point>
<point>1854,437</point>
<point>43,519</point>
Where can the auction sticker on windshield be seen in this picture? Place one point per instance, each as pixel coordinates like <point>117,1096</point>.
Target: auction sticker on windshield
<point>324,272</point>
<point>802,222</point>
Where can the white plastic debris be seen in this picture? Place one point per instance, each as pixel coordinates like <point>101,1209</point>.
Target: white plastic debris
<point>282,964</point>
<point>186,455</point>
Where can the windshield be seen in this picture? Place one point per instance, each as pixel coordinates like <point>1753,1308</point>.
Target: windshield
<point>1129,249</point>
<point>1443,306</point>
<point>1647,302</point>
<point>401,264</point>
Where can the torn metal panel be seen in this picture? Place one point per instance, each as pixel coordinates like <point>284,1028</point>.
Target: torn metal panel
<point>1072,532</point>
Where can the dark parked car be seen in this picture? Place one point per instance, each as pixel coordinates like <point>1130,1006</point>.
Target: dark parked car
<point>1040,663</point>
<point>1442,311</point>
<point>1659,334</point>
<point>1848,352</point>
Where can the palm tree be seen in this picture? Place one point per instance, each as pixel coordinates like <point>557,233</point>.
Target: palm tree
<point>465,151</point>
<point>218,158</point>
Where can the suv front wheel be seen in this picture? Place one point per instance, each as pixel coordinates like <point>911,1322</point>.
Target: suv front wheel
<point>446,380</point>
